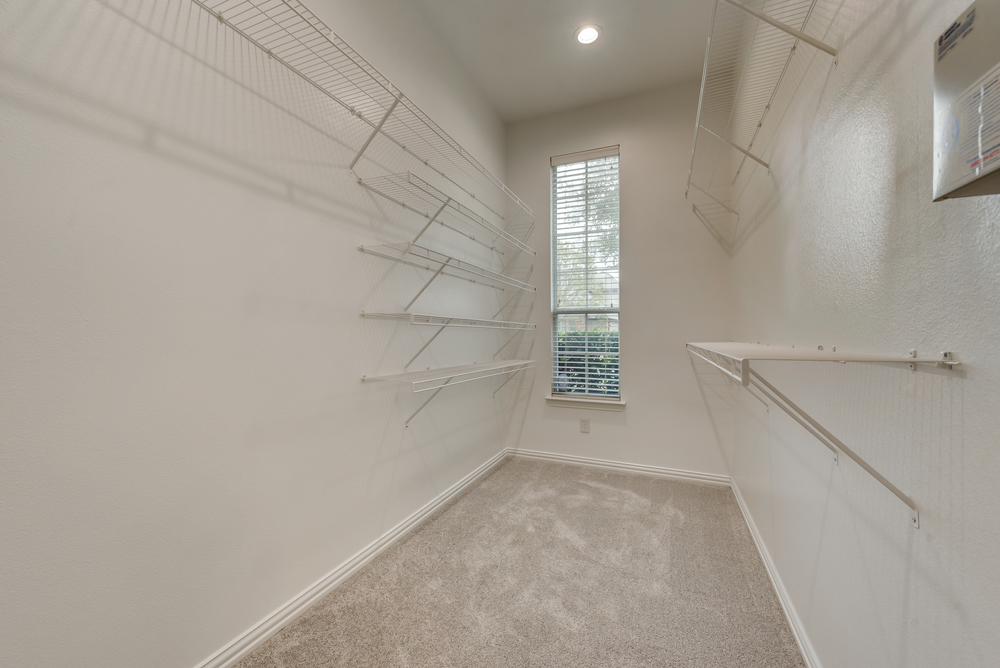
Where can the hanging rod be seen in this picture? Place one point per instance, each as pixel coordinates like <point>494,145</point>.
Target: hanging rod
<point>413,193</point>
<point>733,359</point>
<point>448,265</point>
<point>445,321</point>
<point>289,33</point>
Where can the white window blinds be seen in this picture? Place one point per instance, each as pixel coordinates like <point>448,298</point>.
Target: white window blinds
<point>585,274</point>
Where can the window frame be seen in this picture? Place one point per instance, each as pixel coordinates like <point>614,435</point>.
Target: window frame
<point>563,397</point>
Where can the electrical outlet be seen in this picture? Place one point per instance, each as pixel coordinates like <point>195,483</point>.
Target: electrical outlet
<point>584,425</point>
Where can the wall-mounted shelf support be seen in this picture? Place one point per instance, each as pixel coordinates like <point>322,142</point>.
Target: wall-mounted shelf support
<point>443,322</point>
<point>427,284</point>
<point>738,148</point>
<point>447,265</point>
<point>515,299</point>
<point>432,379</point>
<point>406,366</point>
<point>427,401</point>
<point>727,244</point>
<point>378,128</point>
<point>430,220</point>
<point>516,334</point>
<point>748,54</point>
<point>517,253</point>
<point>709,196</point>
<point>289,33</point>
<point>449,321</point>
<point>797,34</point>
<point>733,359</point>
<point>435,380</point>
<point>414,194</point>
<point>509,378</point>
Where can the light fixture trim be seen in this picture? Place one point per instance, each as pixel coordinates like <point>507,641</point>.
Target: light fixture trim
<point>587,34</point>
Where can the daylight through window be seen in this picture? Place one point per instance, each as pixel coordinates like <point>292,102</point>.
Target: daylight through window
<point>585,271</point>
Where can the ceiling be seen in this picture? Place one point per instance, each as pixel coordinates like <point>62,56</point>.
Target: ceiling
<point>524,58</point>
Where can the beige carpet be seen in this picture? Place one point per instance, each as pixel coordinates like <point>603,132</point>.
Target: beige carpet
<point>556,565</point>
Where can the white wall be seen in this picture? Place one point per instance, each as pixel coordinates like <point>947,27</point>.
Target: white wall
<point>186,444</point>
<point>674,284</point>
<point>846,248</point>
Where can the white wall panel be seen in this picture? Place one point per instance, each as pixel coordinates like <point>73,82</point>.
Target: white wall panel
<point>186,441</point>
<point>844,247</point>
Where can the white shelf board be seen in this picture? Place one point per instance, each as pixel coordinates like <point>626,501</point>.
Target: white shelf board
<point>448,321</point>
<point>737,356</point>
<point>432,379</point>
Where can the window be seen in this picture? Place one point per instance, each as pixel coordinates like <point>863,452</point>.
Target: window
<point>585,294</point>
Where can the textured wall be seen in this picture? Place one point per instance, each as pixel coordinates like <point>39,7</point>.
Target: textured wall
<point>843,246</point>
<point>674,283</point>
<point>186,443</point>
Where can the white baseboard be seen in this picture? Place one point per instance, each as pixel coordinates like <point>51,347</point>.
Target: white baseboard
<point>246,643</point>
<point>794,621</point>
<point>676,474</point>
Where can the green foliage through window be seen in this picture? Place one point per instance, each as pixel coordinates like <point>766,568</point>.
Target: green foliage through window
<point>586,363</point>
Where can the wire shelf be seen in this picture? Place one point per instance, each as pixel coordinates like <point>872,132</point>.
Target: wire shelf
<point>435,379</point>
<point>746,60</point>
<point>415,194</point>
<point>287,31</point>
<point>733,360</point>
<point>446,321</point>
<point>446,264</point>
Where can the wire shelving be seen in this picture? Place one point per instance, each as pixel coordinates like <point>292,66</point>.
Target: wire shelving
<point>733,360</point>
<point>413,193</point>
<point>437,379</point>
<point>412,254</point>
<point>448,321</point>
<point>750,47</point>
<point>287,31</point>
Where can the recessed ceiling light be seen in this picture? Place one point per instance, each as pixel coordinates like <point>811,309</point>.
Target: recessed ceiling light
<point>588,34</point>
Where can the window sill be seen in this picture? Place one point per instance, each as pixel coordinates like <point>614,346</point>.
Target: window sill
<point>589,404</point>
